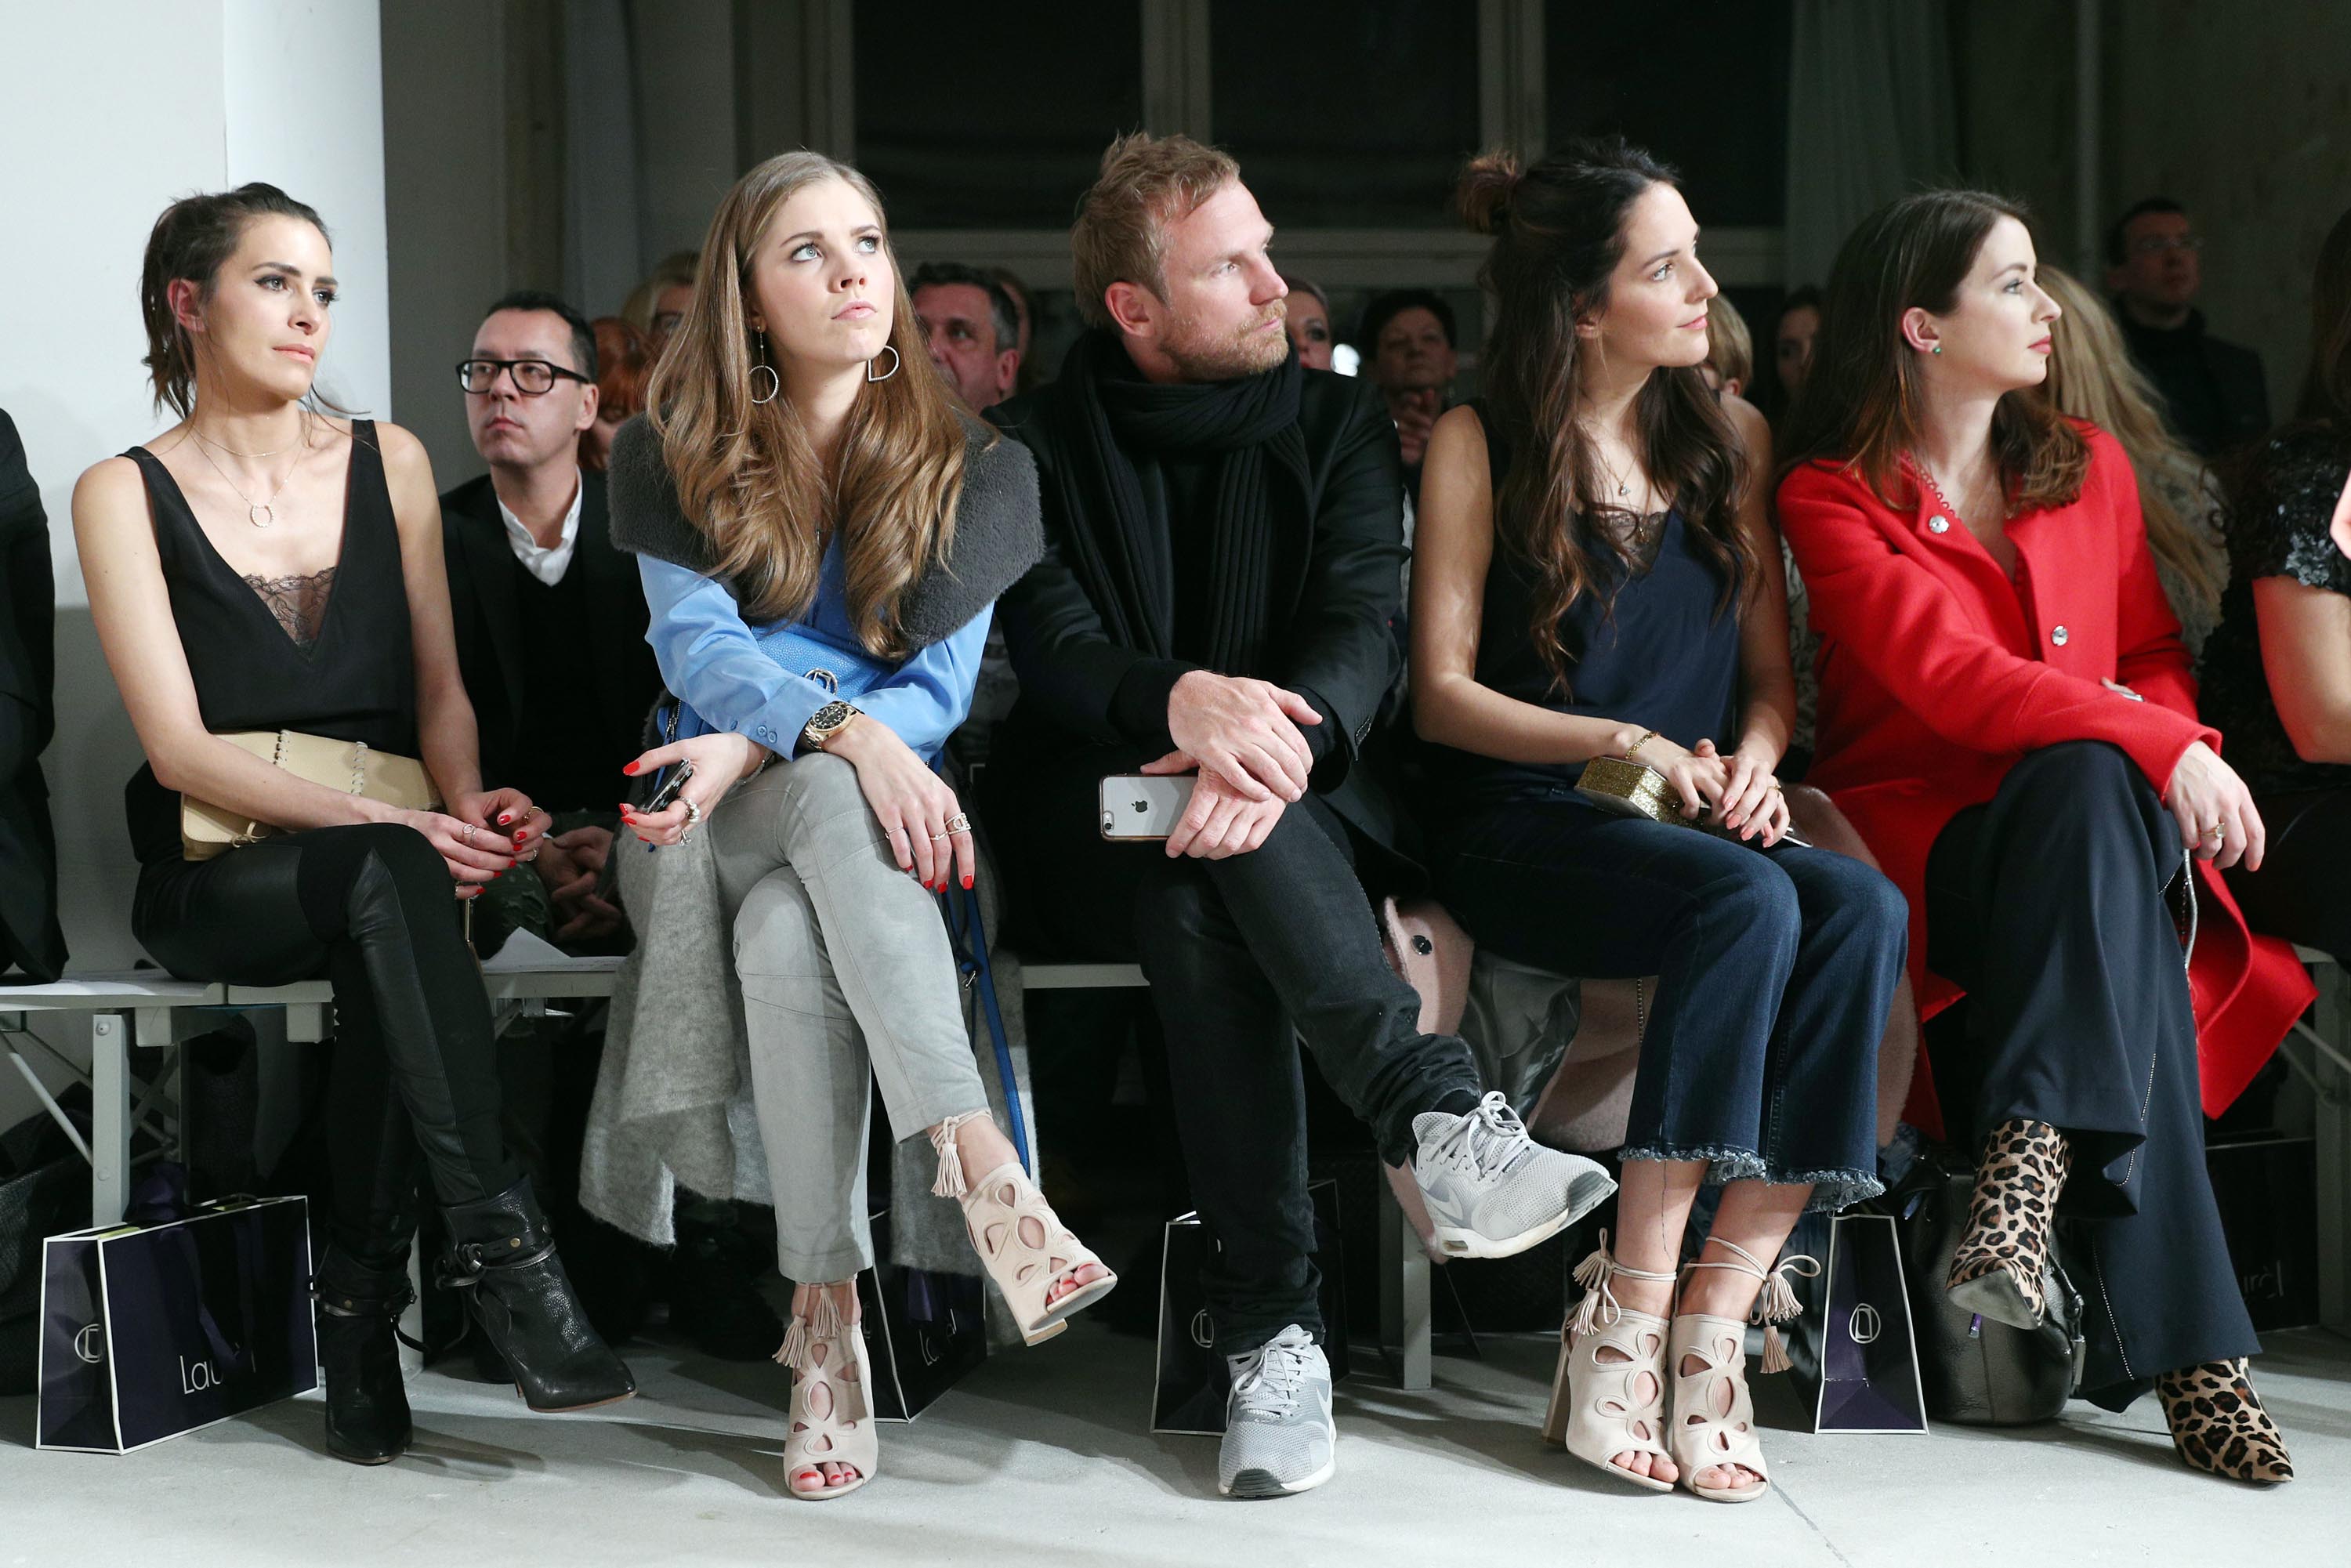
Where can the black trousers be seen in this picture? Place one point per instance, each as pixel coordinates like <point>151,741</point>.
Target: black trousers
<point>2047,904</point>
<point>2301,893</point>
<point>1245,956</point>
<point>415,1063</point>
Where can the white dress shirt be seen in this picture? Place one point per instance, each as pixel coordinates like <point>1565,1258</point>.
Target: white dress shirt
<point>546,562</point>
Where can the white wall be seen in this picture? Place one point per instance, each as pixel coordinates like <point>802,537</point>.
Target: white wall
<point>108,112</point>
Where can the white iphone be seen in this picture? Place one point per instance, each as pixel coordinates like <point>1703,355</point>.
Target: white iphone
<point>1141,807</point>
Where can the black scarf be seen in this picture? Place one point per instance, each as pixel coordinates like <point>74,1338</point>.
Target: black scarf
<point>1120,544</point>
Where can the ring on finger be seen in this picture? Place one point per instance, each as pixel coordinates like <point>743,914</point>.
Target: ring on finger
<point>937,837</point>
<point>959,823</point>
<point>467,835</point>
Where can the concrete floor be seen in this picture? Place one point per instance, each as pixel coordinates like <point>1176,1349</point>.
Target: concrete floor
<point>1045,1449</point>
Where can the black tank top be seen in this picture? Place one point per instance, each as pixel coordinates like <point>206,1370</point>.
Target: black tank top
<point>355,681</point>
<point>1657,654</point>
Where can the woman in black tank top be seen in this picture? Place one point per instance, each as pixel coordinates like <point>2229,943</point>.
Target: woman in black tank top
<point>262,567</point>
<point>1596,575</point>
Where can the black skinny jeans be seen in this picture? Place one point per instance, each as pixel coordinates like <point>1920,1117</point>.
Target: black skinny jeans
<point>415,1066</point>
<point>2047,904</point>
<point>2301,893</point>
<point>1245,956</point>
<point>1775,971</point>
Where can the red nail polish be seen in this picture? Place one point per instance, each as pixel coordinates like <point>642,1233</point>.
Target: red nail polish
<point>630,770</point>
<point>966,884</point>
<point>518,838</point>
<point>505,819</point>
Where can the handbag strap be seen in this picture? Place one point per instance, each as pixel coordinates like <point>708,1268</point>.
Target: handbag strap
<point>968,936</point>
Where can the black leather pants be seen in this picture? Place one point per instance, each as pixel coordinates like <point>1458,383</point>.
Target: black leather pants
<point>414,1067</point>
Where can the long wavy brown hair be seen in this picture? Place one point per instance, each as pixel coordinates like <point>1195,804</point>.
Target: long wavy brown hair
<point>747,473</point>
<point>2326,387</point>
<point>1559,233</point>
<point>2092,376</point>
<point>1860,408</point>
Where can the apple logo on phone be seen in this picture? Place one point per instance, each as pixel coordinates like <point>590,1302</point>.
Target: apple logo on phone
<point>1141,808</point>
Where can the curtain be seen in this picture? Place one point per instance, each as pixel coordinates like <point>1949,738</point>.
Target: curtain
<point>1870,116</point>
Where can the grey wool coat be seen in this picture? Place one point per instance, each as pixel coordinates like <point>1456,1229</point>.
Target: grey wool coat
<point>672,1102</point>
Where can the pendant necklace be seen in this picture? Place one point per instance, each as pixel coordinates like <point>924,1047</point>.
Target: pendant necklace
<point>260,514</point>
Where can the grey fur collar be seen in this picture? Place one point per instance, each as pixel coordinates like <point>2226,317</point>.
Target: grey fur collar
<point>999,534</point>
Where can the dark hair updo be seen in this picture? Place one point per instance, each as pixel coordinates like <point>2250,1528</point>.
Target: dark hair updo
<point>192,240</point>
<point>1559,233</point>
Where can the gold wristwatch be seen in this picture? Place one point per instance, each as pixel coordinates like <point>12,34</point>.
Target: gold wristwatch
<point>830,721</point>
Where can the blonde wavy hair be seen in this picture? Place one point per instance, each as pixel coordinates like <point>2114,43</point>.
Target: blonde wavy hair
<point>748,475</point>
<point>2092,376</point>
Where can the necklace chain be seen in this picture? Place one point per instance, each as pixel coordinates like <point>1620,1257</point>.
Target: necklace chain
<point>1928,474</point>
<point>260,514</point>
<point>301,440</point>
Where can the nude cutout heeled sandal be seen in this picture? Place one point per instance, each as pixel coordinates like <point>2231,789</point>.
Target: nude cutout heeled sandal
<point>831,1419</point>
<point>1001,1212</point>
<point>1703,1435</point>
<point>1597,1411</point>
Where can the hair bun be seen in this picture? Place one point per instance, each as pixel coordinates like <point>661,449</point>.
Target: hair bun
<point>1483,194</point>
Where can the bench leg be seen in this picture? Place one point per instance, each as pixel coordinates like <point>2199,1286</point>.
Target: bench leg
<point>1403,1294</point>
<point>109,1150</point>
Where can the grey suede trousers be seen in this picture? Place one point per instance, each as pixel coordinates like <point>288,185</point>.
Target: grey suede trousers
<point>848,979</point>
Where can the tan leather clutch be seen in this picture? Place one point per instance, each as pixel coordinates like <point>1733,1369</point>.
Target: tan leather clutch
<point>350,765</point>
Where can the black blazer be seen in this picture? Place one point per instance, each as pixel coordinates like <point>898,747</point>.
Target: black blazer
<point>29,935</point>
<point>1080,690</point>
<point>482,584</point>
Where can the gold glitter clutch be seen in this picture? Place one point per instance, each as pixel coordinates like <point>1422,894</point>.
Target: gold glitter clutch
<point>1631,789</point>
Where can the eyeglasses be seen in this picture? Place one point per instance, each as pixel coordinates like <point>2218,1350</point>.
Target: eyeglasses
<point>532,378</point>
<point>2155,244</point>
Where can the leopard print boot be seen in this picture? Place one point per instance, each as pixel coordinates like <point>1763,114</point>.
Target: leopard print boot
<point>2217,1423</point>
<point>2001,1262</point>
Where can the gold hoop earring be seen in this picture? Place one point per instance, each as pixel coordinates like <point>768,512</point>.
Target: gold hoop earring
<point>885,375</point>
<point>775,382</point>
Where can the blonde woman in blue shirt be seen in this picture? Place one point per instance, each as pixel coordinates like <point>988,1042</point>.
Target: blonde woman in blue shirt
<point>822,537</point>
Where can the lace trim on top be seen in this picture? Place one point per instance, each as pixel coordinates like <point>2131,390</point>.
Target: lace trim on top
<point>299,604</point>
<point>1637,539</point>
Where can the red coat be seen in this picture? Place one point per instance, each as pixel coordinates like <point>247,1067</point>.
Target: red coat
<point>1937,673</point>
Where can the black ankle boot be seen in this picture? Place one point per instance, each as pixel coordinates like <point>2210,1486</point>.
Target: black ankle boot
<point>501,1255</point>
<point>359,1350</point>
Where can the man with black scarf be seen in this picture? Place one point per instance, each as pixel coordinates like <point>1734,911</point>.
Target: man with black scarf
<point>1223,539</point>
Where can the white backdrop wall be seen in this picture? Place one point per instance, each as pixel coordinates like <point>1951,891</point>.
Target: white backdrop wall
<point>108,112</point>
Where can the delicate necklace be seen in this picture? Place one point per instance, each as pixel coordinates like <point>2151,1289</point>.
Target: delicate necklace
<point>1928,474</point>
<point>302,440</point>
<point>258,513</point>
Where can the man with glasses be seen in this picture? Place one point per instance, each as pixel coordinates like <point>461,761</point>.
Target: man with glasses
<point>2212,390</point>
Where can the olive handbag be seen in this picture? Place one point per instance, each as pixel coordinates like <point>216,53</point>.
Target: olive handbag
<point>352,767</point>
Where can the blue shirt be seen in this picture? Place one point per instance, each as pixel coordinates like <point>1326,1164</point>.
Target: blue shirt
<point>714,661</point>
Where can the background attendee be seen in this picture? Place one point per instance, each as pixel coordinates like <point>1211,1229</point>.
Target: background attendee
<point>1308,322</point>
<point>2008,718</point>
<point>2278,677</point>
<point>1729,365</point>
<point>2090,377</point>
<point>657,305</point>
<point>884,525</point>
<point>971,327</point>
<point>1793,332</point>
<point>263,567</point>
<point>624,359</point>
<point>1407,340</point>
<point>1033,371</point>
<point>1223,535</point>
<point>550,627</point>
<point>1597,577</point>
<point>30,940</point>
<point>2214,392</point>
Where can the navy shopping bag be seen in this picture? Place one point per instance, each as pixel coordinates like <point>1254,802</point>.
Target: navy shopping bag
<point>150,1332</point>
<point>923,1330</point>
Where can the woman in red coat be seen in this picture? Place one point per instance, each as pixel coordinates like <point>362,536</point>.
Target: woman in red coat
<point>2007,716</point>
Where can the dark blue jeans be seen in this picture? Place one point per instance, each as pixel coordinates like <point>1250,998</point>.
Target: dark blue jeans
<point>1775,971</point>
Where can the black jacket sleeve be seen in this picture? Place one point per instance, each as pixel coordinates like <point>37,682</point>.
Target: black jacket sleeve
<point>27,592</point>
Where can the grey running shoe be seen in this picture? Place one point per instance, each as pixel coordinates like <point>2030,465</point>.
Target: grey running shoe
<point>1492,1190</point>
<point>1278,1435</point>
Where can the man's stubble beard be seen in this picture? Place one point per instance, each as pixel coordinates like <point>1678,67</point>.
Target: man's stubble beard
<point>1251,351</point>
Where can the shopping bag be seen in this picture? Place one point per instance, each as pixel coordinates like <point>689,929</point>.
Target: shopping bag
<point>1188,1393</point>
<point>147,1333</point>
<point>922,1330</point>
<point>1859,1368</point>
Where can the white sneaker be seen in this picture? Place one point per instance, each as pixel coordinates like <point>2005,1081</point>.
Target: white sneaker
<point>1493,1191</point>
<point>1280,1437</point>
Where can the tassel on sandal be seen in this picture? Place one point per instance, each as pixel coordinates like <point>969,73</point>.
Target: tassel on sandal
<point>1596,1409</point>
<point>1023,1245</point>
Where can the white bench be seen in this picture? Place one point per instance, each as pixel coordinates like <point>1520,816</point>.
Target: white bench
<point>147,1008</point>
